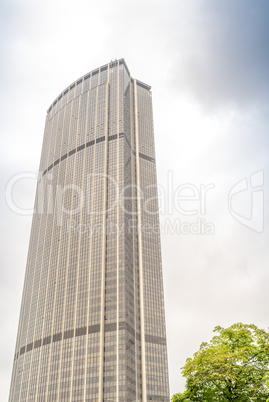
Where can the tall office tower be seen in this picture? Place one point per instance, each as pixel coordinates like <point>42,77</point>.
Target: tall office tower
<point>92,325</point>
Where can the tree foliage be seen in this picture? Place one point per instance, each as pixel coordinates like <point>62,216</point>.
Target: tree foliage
<point>232,367</point>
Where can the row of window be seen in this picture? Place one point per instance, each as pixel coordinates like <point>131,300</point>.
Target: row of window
<point>80,148</point>
<point>83,331</point>
<point>90,143</point>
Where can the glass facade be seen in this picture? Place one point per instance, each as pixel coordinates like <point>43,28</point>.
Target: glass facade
<point>92,323</point>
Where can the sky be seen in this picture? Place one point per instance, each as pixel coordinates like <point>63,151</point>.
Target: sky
<point>207,62</point>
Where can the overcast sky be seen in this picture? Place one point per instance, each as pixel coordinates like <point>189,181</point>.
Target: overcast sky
<point>208,63</point>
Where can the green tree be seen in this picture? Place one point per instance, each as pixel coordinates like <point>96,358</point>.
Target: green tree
<point>234,366</point>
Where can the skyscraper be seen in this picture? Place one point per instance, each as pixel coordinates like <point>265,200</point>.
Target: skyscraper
<point>92,325</point>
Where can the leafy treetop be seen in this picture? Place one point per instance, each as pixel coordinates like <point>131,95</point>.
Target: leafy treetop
<point>234,366</point>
